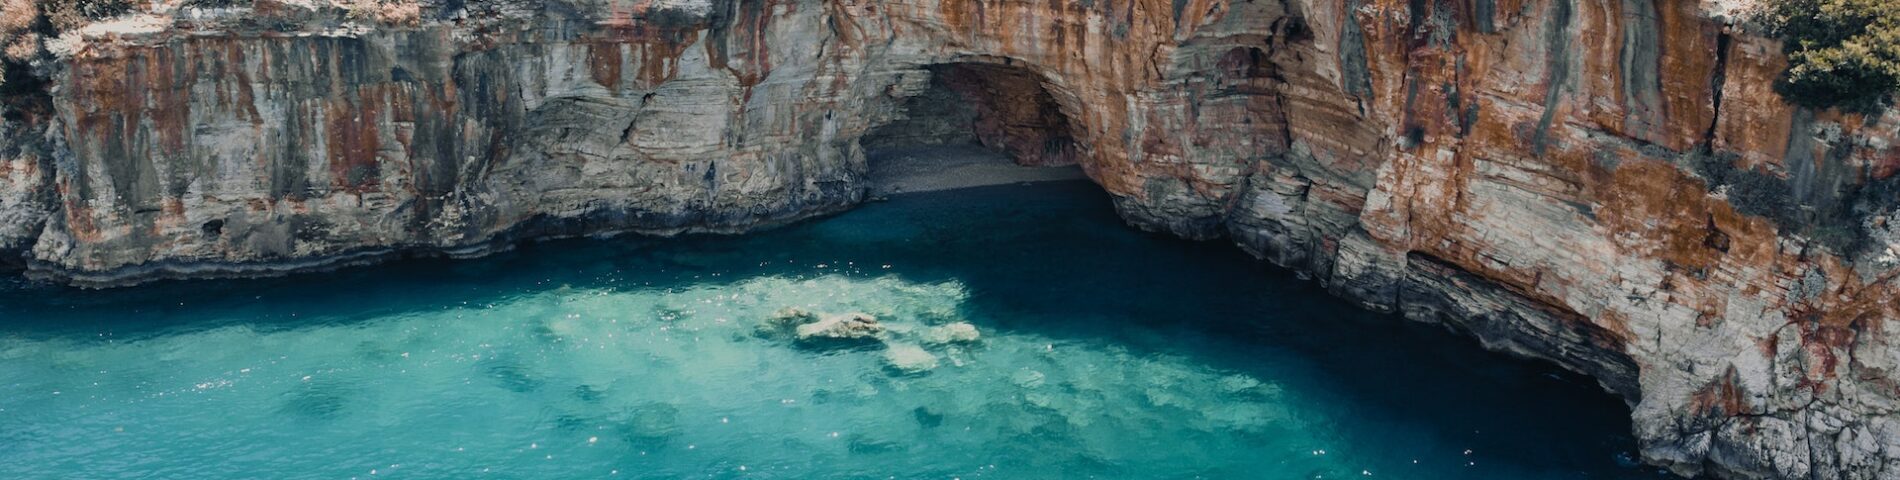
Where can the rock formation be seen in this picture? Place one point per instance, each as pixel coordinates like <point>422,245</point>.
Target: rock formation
<point>1611,185</point>
<point>851,327</point>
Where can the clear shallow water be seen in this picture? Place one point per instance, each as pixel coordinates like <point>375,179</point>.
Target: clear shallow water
<point>1105,353</point>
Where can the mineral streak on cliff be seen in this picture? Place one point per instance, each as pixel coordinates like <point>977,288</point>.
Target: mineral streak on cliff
<point>1608,184</point>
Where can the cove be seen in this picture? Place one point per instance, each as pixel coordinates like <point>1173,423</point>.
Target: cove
<point>1104,353</point>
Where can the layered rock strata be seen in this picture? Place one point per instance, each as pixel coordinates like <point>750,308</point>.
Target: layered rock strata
<point>1608,184</point>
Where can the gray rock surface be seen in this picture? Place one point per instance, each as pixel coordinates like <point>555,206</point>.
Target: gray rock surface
<point>25,199</point>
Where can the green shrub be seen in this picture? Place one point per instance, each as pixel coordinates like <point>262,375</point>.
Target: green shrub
<point>1842,53</point>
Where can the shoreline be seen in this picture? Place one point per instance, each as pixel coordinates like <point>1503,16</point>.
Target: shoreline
<point>953,167</point>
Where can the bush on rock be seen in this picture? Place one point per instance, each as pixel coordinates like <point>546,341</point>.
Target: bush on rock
<point>1842,53</point>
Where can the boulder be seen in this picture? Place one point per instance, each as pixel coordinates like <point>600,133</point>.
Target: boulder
<point>851,326</point>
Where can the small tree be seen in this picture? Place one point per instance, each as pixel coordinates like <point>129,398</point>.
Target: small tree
<point>1842,53</point>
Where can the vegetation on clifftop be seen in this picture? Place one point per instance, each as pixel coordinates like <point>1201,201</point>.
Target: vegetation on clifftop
<point>27,25</point>
<point>1841,53</point>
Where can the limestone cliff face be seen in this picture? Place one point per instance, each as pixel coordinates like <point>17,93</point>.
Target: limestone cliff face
<point>1612,185</point>
<point>1608,184</point>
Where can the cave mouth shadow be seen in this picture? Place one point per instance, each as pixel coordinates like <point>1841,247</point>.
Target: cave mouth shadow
<point>1005,108</point>
<point>973,123</point>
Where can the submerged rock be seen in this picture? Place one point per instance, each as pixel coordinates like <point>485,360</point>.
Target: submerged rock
<point>792,316</point>
<point>864,444</point>
<point>319,400</point>
<point>909,358</point>
<point>587,393</point>
<point>785,322</point>
<point>1028,378</point>
<point>649,425</point>
<point>926,417</point>
<point>960,332</point>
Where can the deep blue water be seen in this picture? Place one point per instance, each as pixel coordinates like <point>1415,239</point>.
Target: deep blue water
<point>1104,353</point>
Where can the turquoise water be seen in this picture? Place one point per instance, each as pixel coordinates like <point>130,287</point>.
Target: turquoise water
<point>1103,353</point>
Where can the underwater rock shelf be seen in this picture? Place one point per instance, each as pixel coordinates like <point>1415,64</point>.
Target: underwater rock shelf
<point>893,340</point>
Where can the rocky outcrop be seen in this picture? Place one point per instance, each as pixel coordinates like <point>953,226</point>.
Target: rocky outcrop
<point>1608,184</point>
<point>1612,186</point>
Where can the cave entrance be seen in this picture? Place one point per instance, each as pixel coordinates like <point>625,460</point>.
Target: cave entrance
<point>974,124</point>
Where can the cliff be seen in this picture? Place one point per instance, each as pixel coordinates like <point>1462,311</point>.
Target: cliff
<point>1608,184</point>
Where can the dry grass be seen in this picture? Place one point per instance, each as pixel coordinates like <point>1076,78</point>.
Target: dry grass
<point>18,15</point>
<point>18,42</point>
<point>20,20</point>
<point>23,47</point>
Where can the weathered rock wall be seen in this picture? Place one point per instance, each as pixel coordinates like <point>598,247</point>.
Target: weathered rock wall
<point>26,175</point>
<point>238,153</point>
<point>1611,185</point>
<point>211,145</point>
<point>1608,184</point>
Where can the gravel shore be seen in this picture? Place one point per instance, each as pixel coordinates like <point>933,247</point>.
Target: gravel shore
<point>950,167</point>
